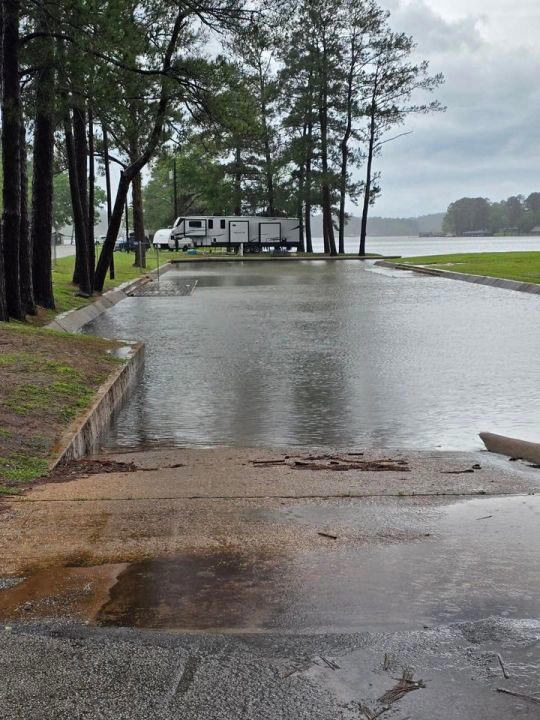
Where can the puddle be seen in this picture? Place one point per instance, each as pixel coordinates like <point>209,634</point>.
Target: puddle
<point>59,591</point>
<point>208,592</point>
<point>462,562</point>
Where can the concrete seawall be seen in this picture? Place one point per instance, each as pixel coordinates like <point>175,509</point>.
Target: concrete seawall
<point>532,288</point>
<point>84,434</point>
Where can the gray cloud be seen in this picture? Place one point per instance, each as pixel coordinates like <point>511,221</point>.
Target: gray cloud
<point>488,141</point>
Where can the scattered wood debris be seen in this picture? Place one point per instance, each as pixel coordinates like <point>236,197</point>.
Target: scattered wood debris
<point>76,468</point>
<point>328,535</point>
<point>531,698</point>
<point>404,685</point>
<point>337,463</point>
<point>485,517</point>
<point>368,714</point>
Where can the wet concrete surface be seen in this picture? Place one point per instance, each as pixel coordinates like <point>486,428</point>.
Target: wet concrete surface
<point>60,671</point>
<point>422,566</point>
<point>277,547</point>
<point>279,591</point>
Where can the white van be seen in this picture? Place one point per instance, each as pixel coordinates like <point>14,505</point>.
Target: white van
<point>164,241</point>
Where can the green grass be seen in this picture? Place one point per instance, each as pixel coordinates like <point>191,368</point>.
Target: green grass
<point>47,378</point>
<point>64,291</point>
<point>521,266</point>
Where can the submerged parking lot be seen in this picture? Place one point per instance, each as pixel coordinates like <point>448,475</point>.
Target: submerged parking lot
<point>328,354</point>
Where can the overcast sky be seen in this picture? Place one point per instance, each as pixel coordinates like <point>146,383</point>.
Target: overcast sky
<point>488,141</point>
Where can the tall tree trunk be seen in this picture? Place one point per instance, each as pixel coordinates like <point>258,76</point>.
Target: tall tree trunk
<point>307,188</point>
<point>80,216</point>
<point>91,195</point>
<point>107,186</point>
<point>127,175</point>
<point>11,158</point>
<point>42,177</point>
<point>345,155</point>
<point>300,211</point>
<point>268,170</point>
<point>367,188</point>
<point>3,306</point>
<point>237,181</point>
<point>25,249</point>
<point>301,181</point>
<point>80,147</point>
<point>326,197</point>
<point>138,221</point>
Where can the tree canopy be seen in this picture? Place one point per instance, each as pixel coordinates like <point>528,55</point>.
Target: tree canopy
<point>269,109</point>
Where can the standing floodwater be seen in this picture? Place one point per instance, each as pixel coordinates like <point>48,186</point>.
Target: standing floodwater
<point>328,354</point>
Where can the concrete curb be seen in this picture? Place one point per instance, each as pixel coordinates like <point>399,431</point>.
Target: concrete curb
<point>73,320</point>
<point>531,288</point>
<point>85,432</point>
<point>276,258</point>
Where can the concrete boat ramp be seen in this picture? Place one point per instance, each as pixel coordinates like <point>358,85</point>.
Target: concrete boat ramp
<point>231,583</point>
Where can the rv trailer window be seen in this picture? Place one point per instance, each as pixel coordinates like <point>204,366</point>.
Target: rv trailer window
<point>222,224</point>
<point>195,223</point>
<point>210,224</point>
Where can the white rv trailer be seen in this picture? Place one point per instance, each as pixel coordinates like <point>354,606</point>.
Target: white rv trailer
<point>254,233</point>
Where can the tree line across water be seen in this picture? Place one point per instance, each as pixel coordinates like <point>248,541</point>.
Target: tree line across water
<point>264,110</point>
<point>515,215</point>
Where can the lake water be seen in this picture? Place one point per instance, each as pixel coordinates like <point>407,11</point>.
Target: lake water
<point>328,354</point>
<point>411,246</point>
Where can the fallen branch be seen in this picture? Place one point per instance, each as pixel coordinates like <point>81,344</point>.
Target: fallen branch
<point>404,685</point>
<point>506,675</point>
<point>531,698</point>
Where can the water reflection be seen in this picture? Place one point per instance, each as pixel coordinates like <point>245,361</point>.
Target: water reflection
<point>329,354</point>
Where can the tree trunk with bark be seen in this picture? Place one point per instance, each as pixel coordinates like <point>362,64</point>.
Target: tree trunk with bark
<point>127,174</point>
<point>345,155</point>
<point>91,195</point>
<point>80,213</point>
<point>107,185</point>
<point>83,273</point>
<point>11,158</point>
<point>25,248</point>
<point>326,196</point>
<point>3,306</point>
<point>237,181</point>
<point>138,220</point>
<point>268,170</point>
<point>42,178</point>
<point>369,163</point>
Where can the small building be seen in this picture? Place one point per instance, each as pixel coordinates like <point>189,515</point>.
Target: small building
<point>535,230</point>
<point>476,233</point>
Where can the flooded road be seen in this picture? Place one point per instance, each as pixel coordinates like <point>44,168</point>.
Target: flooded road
<point>330,355</point>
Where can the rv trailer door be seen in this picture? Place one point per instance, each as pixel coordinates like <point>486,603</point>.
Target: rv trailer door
<point>270,232</point>
<point>239,231</point>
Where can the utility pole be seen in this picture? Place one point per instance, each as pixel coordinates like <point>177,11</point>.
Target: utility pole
<point>108,186</point>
